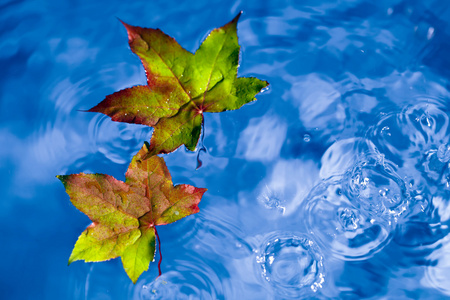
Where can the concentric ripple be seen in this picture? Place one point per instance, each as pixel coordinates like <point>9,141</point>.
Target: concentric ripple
<point>292,264</point>
<point>217,234</point>
<point>374,187</point>
<point>436,274</point>
<point>188,279</point>
<point>116,140</point>
<point>340,227</point>
<point>417,138</point>
<point>343,154</point>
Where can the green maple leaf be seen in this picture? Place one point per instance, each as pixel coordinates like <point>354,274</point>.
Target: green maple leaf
<point>181,86</point>
<point>124,214</point>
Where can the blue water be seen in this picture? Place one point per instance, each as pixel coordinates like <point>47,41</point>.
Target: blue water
<point>335,184</point>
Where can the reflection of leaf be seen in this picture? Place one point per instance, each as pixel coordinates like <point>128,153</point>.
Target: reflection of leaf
<point>124,214</point>
<point>181,86</point>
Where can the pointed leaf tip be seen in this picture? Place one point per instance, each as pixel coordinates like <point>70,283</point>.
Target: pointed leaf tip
<point>71,260</point>
<point>236,19</point>
<point>131,31</point>
<point>181,86</point>
<point>62,178</point>
<point>126,228</point>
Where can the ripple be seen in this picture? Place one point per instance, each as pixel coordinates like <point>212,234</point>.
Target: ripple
<point>282,191</point>
<point>271,200</point>
<point>292,264</point>
<point>347,232</point>
<point>192,279</point>
<point>117,140</point>
<point>420,236</point>
<point>171,237</point>
<point>435,168</point>
<point>417,140</point>
<point>262,139</point>
<point>319,104</point>
<point>220,235</point>
<point>406,136</point>
<point>424,231</point>
<point>374,186</point>
<point>436,274</point>
<point>343,154</point>
<point>99,276</point>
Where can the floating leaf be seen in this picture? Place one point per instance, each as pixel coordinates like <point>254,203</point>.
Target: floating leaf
<point>124,214</point>
<point>181,86</point>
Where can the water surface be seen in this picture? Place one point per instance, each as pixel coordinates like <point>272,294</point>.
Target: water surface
<point>334,184</point>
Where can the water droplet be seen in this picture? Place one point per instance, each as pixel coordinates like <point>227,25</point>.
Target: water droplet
<point>377,189</point>
<point>271,200</point>
<point>430,33</point>
<point>292,264</point>
<point>267,88</point>
<point>426,120</point>
<point>385,130</point>
<point>348,219</point>
<point>342,228</point>
<point>318,284</point>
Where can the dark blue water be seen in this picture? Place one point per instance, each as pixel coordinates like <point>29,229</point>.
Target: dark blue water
<point>334,184</point>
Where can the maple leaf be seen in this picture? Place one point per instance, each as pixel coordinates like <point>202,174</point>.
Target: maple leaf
<point>124,214</point>
<point>181,86</point>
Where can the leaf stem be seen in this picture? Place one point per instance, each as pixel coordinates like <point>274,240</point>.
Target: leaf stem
<point>202,146</point>
<point>160,254</point>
